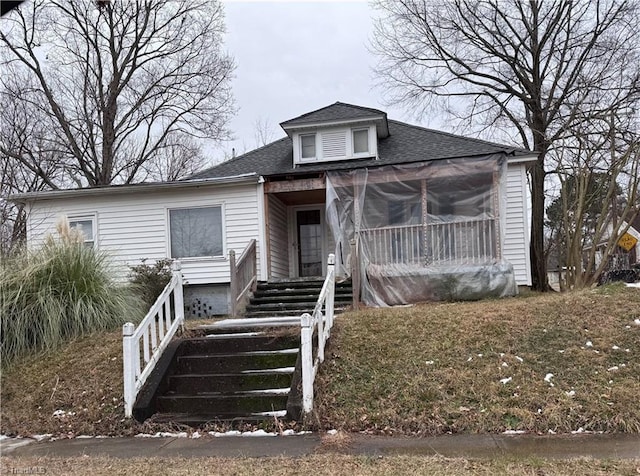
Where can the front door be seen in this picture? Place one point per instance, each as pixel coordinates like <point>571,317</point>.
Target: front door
<point>309,237</point>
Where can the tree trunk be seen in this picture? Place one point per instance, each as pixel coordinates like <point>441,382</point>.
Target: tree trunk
<point>538,262</point>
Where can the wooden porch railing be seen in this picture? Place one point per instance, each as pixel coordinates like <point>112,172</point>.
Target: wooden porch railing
<point>147,341</point>
<point>322,322</point>
<point>244,276</point>
<point>461,242</point>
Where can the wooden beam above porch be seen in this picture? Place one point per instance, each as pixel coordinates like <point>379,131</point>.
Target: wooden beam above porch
<point>295,185</point>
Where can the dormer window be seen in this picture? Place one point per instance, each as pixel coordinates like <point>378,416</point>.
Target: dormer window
<point>360,141</point>
<point>307,146</point>
<point>334,143</point>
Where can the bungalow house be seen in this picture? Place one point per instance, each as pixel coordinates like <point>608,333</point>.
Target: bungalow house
<point>411,213</point>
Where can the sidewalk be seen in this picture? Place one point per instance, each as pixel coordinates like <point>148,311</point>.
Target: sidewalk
<point>616,446</point>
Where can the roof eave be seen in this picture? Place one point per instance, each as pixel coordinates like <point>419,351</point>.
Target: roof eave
<point>132,188</point>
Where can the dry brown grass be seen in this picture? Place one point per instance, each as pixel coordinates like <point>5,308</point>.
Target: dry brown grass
<point>329,464</point>
<point>437,368</point>
<point>376,376</point>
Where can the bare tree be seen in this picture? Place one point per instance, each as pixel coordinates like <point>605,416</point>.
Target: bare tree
<point>599,172</point>
<point>535,68</point>
<point>116,83</point>
<point>263,132</point>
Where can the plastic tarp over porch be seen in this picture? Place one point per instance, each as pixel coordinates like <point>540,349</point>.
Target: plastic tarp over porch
<point>421,231</point>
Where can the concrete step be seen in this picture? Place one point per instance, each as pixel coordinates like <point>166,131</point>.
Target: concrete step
<point>265,314</point>
<point>231,363</point>
<point>298,297</point>
<point>230,405</point>
<point>200,419</point>
<point>197,384</point>
<point>236,342</point>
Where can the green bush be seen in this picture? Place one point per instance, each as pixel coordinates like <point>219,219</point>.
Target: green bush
<point>149,280</point>
<point>59,291</point>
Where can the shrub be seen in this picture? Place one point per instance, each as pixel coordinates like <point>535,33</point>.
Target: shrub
<point>60,291</point>
<point>149,280</point>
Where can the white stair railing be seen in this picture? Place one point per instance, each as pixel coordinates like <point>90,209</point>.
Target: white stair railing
<point>148,341</point>
<point>323,321</point>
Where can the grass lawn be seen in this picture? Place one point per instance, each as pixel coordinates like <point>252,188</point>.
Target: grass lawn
<point>426,369</point>
<point>327,464</point>
<point>556,362</point>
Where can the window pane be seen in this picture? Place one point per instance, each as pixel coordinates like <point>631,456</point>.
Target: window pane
<point>361,141</point>
<point>85,226</point>
<point>196,232</point>
<point>308,146</point>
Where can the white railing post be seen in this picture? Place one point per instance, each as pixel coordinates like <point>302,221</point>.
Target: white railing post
<point>306,323</point>
<point>129,364</point>
<point>331,262</point>
<point>178,296</point>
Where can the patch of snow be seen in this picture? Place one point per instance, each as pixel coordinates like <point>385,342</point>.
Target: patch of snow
<point>615,347</point>
<point>627,327</point>
<point>469,359</point>
<point>84,437</point>
<point>332,432</point>
<point>627,350</point>
<point>571,393</point>
<point>163,434</point>
<point>501,354</point>
<point>636,322</point>
<point>42,437</point>
<point>271,391</point>
<point>258,433</point>
<point>548,377</point>
<point>504,364</point>
<point>279,370</point>
<point>551,432</point>
<point>513,432</point>
<point>579,430</point>
<point>195,435</point>
<point>596,351</point>
<point>613,369</point>
<point>505,381</point>
<point>633,285</point>
<point>589,344</point>
<point>4,437</point>
<point>561,351</point>
<point>429,362</point>
<point>479,355</point>
<point>276,413</point>
<point>519,359</point>
<point>59,413</point>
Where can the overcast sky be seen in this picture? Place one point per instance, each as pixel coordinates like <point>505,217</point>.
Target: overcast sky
<point>295,57</point>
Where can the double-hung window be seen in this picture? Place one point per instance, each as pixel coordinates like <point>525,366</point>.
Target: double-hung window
<point>360,138</point>
<point>308,146</point>
<point>196,232</point>
<point>86,225</point>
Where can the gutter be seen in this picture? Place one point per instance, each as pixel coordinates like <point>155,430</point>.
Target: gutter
<point>132,188</point>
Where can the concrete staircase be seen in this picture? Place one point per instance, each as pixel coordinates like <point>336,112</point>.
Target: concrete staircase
<point>237,371</point>
<point>294,297</point>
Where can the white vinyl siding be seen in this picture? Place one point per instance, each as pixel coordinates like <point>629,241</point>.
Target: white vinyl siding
<point>136,225</point>
<point>278,238</point>
<point>515,247</point>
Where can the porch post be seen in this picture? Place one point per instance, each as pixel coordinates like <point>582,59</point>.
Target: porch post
<point>496,208</point>
<point>425,241</point>
<point>355,272</point>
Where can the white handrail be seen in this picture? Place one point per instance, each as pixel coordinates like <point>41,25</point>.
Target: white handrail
<point>324,323</point>
<point>154,333</point>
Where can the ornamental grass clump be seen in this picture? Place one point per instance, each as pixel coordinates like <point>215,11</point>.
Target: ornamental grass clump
<point>62,290</point>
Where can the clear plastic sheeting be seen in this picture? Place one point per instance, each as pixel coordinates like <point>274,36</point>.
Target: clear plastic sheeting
<point>422,231</point>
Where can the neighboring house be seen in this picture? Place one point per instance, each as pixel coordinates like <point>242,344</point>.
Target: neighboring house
<point>623,257</point>
<point>418,214</point>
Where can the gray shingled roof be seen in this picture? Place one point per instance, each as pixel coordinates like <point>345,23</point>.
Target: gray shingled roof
<point>405,144</point>
<point>339,111</point>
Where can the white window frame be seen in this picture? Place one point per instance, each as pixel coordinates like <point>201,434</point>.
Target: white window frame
<point>315,140</point>
<point>366,153</point>
<point>93,218</point>
<point>222,256</point>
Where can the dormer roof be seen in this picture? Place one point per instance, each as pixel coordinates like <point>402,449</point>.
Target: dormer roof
<point>337,114</point>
